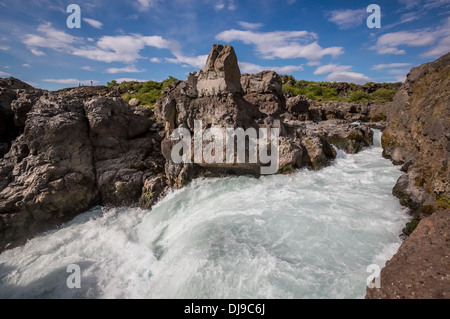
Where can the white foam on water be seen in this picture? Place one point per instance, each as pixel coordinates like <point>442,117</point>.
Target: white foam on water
<point>306,235</point>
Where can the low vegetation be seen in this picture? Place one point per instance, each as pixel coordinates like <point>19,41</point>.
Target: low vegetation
<point>149,92</point>
<point>146,92</point>
<point>338,91</point>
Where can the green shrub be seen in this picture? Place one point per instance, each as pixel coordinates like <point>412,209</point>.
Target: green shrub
<point>146,200</point>
<point>112,84</point>
<point>168,82</point>
<point>384,95</point>
<point>358,96</point>
<point>319,93</point>
<point>411,226</point>
<point>288,88</point>
<point>126,97</point>
<point>146,92</point>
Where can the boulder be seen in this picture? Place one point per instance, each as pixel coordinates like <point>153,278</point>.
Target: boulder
<point>134,102</point>
<point>261,83</point>
<point>297,105</point>
<point>221,74</point>
<point>419,270</point>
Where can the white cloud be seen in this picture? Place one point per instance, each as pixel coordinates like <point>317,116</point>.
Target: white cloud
<point>347,19</point>
<point>93,23</point>
<point>282,44</point>
<point>127,69</point>
<point>71,81</point>
<point>350,77</point>
<point>405,18</point>
<point>26,65</point>
<point>155,60</point>
<point>4,74</point>
<point>329,68</point>
<point>400,78</point>
<point>442,48</point>
<point>410,3</point>
<point>389,66</point>
<point>400,74</point>
<point>399,71</point>
<point>33,84</point>
<point>341,73</point>
<point>231,5</point>
<point>391,51</point>
<point>87,68</point>
<point>413,39</point>
<point>37,52</point>
<point>144,5</point>
<point>51,38</point>
<point>122,48</point>
<point>219,6</point>
<point>424,4</point>
<point>197,61</point>
<point>246,67</point>
<point>388,43</point>
<point>4,47</point>
<point>250,26</point>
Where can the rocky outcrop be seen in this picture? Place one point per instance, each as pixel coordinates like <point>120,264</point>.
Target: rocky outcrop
<point>77,150</point>
<point>16,100</point>
<point>420,269</point>
<point>306,137</point>
<point>221,74</point>
<point>417,137</point>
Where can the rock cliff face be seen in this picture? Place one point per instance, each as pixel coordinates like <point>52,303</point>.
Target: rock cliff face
<point>420,269</point>
<point>74,149</point>
<point>417,137</point>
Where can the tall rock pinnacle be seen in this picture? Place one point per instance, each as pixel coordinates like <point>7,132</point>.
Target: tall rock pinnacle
<point>221,75</point>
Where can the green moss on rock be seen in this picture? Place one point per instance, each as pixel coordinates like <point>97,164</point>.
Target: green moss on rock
<point>146,199</point>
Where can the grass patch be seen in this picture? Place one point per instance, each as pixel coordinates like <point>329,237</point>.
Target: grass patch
<point>146,199</point>
<point>146,92</point>
<point>344,92</point>
<point>443,202</point>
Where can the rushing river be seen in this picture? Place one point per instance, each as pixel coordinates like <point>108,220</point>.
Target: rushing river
<point>306,235</point>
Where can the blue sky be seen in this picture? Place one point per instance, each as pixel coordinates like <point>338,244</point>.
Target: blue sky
<point>152,39</point>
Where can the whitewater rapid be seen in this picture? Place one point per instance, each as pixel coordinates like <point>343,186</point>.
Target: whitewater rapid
<point>305,235</point>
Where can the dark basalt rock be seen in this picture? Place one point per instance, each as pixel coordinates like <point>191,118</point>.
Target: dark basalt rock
<point>75,149</point>
<point>417,137</point>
